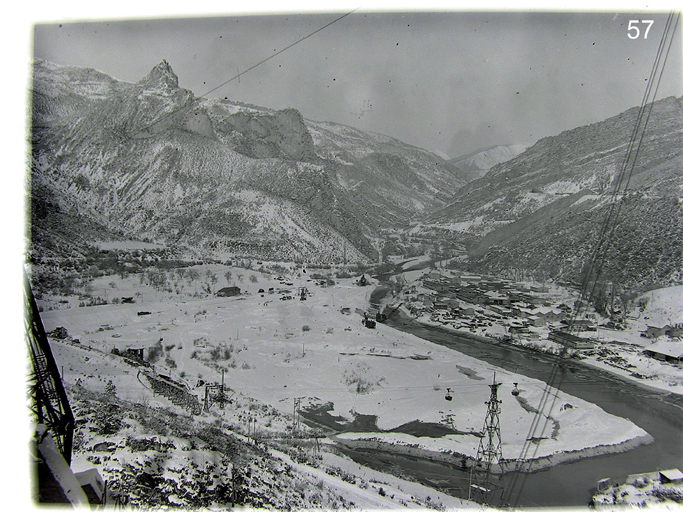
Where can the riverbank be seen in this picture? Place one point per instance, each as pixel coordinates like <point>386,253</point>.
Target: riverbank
<point>646,372</point>
<point>619,352</point>
<point>435,450</point>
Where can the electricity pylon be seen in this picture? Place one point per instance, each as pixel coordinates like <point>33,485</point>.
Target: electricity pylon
<point>482,486</point>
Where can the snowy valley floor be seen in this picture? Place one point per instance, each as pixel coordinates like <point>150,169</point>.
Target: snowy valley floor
<point>274,352</point>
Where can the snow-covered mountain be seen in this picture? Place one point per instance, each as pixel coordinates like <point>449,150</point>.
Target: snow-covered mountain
<point>476,164</point>
<point>543,211</point>
<point>150,161</point>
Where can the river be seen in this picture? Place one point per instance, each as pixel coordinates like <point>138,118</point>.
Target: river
<point>569,484</point>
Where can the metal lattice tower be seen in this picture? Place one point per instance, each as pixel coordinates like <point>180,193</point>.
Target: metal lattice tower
<point>482,486</point>
<point>47,398</point>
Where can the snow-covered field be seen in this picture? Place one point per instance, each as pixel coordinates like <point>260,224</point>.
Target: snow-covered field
<point>276,351</point>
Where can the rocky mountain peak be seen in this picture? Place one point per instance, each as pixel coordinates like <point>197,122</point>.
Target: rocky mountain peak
<point>160,77</point>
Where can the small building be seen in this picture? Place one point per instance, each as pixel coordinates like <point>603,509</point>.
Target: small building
<point>654,331</point>
<point>470,294</point>
<point>671,476</point>
<point>579,324</point>
<point>547,315</point>
<point>427,300</point>
<point>536,321</point>
<point>671,351</point>
<point>228,291</point>
<point>502,311</point>
<point>136,353</point>
<point>496,298</point>
<point>667,476</point>
<point>468,311</point>
<point>539,288</point>
<point>604,484</point>
<point>518,329</point>
<point>437,286</point>
<point>570,340</point>
<point>452,302</point>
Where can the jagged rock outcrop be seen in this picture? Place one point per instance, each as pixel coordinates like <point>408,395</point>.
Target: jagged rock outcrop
<point>281,134</point>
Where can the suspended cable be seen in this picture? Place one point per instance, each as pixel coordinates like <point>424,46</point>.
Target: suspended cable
<point>598,257</point>
<point>240,74</point>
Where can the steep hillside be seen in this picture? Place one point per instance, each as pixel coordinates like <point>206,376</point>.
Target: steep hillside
<point>645,250</point>
<point>150,161</point>
<point>583,158</point>
<point>393,182</point>
<point>542,212</point>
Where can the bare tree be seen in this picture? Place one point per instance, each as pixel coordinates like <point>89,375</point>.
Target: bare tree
<point>193,275</point>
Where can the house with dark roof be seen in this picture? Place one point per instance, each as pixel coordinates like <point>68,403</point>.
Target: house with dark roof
<point>570,340</point>
<point>228,291</point>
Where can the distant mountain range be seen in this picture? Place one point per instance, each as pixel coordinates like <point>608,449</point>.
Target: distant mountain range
<point>214,178</point>
<point>476,164</point>
<point>150,161</point>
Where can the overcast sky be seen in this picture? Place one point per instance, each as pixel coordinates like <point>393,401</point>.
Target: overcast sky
<point>447,82</point>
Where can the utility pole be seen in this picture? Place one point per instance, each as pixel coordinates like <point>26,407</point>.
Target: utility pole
<point>296,422</point>
<point>482,487</point>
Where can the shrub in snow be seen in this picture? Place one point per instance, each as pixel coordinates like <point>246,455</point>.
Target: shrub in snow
<point>154,352</point>
<point>110,388</point>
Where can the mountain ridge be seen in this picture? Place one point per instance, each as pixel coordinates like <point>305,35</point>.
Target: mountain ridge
<point>152,161</point>
<point>541,213</point>
<point>477,163</point>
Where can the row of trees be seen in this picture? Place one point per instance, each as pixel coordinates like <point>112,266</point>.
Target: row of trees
<point>175,280</point>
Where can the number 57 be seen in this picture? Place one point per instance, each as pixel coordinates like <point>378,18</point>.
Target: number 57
<point>632,25</point>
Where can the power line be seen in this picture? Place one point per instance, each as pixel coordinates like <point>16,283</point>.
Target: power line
<point>240,74</point>
<point>599,254</point>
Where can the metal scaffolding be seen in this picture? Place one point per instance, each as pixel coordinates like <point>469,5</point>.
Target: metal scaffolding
<point>46,394</point>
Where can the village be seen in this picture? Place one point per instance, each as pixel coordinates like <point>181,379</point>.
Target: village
<point>541,317</point>
<point>298,341</point>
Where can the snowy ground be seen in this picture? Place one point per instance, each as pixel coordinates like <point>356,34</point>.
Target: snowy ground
<point>645,490</point>
<point>623,356</point>
<point>274,351</point>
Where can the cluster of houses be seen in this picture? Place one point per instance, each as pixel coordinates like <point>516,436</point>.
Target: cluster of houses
<point>525,313</point>
<point>667,485</point>
<point>468,301</point>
